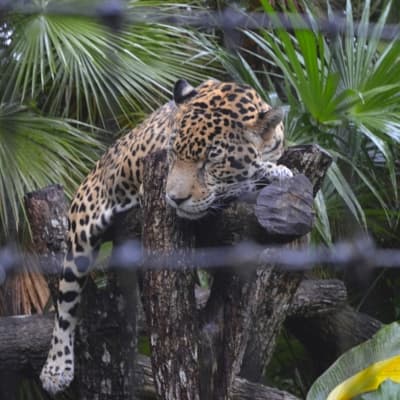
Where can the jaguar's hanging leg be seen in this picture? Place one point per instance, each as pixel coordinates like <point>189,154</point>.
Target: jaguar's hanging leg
<point>83,242</point>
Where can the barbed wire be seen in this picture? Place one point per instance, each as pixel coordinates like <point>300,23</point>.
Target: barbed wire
<point>244,256</point>
<point>115,13</point>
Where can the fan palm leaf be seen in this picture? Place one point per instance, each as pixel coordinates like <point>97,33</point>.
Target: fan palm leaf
<point>36,151</point>
<point>75,66</point>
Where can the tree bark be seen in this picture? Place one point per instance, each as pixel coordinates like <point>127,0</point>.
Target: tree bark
<point>47,214</point>
<point>106,342</point>
<point>24,340</point>
<point>311,160</point>
<point>247,307</point>
<point>198,354</point>
<point>107,337</point>
<point>278,287</point>
<point>26,291</point>
<point>316,297</point>
<point>237,306</point>
<point>168,295</point>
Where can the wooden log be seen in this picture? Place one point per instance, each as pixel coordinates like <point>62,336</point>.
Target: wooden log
<point>168,295</point>
<point>104,361</point>
<point>284,210</point>
<point>311,160</point>
<point>247,307</point>
<point>327,336</point>
<point>107,335</point>
<point>24,342</point>
<point>245,390</point>
<point>317,297</point>
<point>46,210</point>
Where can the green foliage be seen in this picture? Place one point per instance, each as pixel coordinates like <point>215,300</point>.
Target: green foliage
<point>75,66</point>
<point>36,151</point>
<point>342,93</point>
<point>289,369</point>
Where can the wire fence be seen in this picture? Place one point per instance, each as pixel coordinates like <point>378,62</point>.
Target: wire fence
<point>114,13</point>
<point>360,252</point>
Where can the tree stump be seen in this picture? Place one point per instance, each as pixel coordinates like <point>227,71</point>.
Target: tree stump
<point>47,214</point>
<point>107,335</point>
<point>247,305</point>
<point>168,294</point>
<point>106,343</point>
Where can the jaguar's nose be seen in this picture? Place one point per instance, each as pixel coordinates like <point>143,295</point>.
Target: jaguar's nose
<point>178,200</point>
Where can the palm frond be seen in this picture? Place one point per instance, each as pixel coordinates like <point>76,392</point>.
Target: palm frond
<point>36,151</point>
<point>74,66</point>
<point>343,94</point>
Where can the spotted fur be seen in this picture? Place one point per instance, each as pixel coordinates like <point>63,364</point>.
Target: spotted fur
<point>222,138</point>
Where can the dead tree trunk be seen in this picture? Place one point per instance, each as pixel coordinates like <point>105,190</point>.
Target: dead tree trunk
<point>26,290</point>
<point>278,287</point>
<point>327,336</point>
<point>168,295</point>
<point>244,302</point>
<point>107,339</point>
<point>24,340</point>
<point>47,214</point>
<point>106,343</point>
<point>197,354</point>
<point>247,307</point>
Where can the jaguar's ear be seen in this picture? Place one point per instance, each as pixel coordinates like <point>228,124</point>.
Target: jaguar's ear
<point>183,91</point>
<point>271,118</point>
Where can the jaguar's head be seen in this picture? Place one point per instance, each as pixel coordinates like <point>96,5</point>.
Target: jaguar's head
<point>223,134</point>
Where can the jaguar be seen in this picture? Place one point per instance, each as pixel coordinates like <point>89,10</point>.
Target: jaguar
<point>221,139</point>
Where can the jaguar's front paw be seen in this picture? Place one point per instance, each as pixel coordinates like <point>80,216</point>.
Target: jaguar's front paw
<point>278,172</point>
